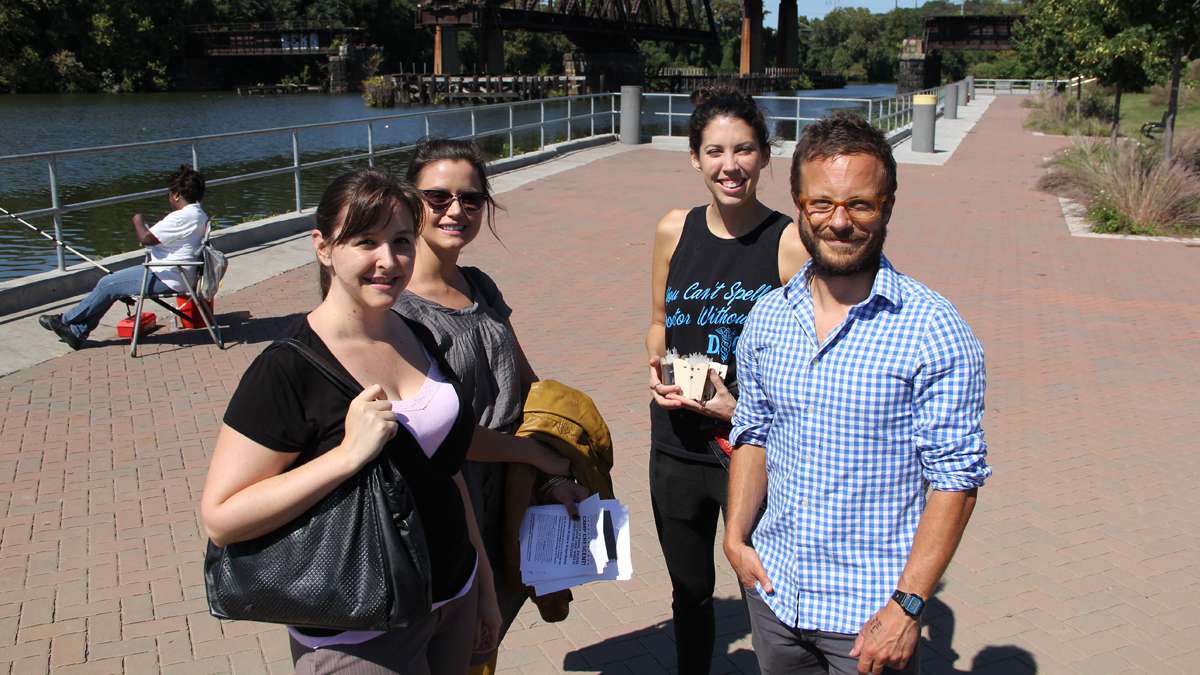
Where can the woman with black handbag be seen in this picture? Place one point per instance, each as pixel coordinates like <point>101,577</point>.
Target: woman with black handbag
<point>293,442</point>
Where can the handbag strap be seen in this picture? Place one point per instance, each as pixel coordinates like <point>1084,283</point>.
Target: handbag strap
<point>350,387</point>
<point>342,382</point>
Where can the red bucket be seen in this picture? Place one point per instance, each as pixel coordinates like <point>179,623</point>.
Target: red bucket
<point>191,314</point>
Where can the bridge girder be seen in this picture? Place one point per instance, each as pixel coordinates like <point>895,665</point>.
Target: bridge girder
<point>689,21</point>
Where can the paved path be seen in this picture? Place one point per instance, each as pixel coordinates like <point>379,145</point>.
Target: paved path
<point>1082,556</point>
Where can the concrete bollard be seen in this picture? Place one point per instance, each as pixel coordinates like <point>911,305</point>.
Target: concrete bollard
<point>970,87</point>
<point>962,92</point>
<point>631,115</point>
<point>924,115</point>
<point>950,109</point>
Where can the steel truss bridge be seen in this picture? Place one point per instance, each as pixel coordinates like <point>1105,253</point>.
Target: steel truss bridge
<point>668,20</point>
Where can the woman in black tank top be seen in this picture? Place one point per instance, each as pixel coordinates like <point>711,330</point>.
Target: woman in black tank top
<point>711,264</point>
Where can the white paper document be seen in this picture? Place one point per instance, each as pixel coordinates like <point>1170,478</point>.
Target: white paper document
<point>559,552</point>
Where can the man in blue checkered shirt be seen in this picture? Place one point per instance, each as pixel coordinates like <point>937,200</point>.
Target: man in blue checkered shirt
<point>858,422</point>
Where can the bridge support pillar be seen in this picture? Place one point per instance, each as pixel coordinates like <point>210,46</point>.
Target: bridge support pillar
<point>788,39</point>
<point>446,59</point>
<point>631,115</point>
<point>752,37</point>
<point>491,45</point>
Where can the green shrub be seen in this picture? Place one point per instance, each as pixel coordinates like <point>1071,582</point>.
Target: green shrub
<point>1065,115</point>
<point>1127,187</point>
<point>379,92</point>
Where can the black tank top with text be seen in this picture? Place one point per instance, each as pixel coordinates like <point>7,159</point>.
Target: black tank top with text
<point>711,285</point>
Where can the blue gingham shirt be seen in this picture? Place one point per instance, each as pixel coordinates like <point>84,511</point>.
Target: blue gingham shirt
<point>855,429</point>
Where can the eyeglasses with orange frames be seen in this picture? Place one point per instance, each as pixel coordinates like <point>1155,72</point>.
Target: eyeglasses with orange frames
<point>861,210</point>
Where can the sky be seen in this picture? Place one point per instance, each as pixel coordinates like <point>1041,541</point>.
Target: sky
<point>818,8</point>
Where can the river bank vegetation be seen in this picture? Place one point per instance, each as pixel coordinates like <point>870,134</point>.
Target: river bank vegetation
<point>1146,177</point>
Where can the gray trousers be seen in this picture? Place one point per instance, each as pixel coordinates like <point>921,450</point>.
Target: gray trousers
<point>438,644</point>
<point>784,650</point>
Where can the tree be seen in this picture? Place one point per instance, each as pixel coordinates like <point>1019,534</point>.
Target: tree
<point>1178,23</point>
<point>1110,39</point>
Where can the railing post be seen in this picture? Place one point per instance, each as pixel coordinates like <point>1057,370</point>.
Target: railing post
<point>592,114</point>
<point>58,243</point>
<point>370,145</point>
<point>568,118</point>
<point>670,115</point>
<point>510,131</point>
<point>631,114</point>
<point>195,159</point>
<point>472,123</point>
<point>797,118</point>
<point>296,168</point>
<point>870,106</point>
<point>427,126</point>
<point>542,125</point>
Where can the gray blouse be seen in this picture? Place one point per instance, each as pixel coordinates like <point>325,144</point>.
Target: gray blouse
<point>478,346</point>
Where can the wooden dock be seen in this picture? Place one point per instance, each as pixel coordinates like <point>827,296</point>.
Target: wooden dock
<point>276,89</point>
<point>482,89</point>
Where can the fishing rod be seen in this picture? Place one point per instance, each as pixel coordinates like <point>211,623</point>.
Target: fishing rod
<point>26,223</point>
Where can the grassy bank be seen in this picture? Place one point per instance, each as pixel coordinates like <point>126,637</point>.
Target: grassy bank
<point>1093,116</point>
<point>1137,109</point>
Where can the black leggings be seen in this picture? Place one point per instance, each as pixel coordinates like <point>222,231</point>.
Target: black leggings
<point>687,498</point>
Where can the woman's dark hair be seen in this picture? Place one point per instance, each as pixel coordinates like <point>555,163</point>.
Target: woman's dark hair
<point>354,202</point>
<point>432,150</point>
<point>840,134</point>
<point>725,102</point>
<point>187,183</point>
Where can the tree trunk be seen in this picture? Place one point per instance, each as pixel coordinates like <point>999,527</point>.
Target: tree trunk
<point>1172,102</point>
<point>1116,122</point>
<point>1079,96</point>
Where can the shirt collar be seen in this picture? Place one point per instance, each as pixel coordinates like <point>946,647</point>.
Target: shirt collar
<point>886,285</point>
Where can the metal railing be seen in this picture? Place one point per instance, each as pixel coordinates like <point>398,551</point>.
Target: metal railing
<point>586,107</point>
<point>994,86</point>
<point>887,113</point>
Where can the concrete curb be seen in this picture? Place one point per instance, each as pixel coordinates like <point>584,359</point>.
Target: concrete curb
<point>1077,224</point>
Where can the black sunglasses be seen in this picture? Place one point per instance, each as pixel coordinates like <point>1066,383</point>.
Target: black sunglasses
<point>440,200</point>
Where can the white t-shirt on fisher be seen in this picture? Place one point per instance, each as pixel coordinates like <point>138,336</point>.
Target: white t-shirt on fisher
<point>180,235</point>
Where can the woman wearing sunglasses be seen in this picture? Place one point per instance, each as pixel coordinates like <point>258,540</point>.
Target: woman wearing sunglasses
<point>467,314</point>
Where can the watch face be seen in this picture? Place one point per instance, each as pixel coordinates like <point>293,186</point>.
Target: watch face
<point>913,605</point>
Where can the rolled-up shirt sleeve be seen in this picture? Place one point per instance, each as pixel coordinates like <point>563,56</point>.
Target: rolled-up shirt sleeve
<point>948,401</point>
<point>754,413</point>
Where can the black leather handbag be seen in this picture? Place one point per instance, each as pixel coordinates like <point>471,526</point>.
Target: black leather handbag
<point>357,560</point>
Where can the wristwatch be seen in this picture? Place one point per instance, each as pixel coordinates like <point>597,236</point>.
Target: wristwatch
<point>911,603</point>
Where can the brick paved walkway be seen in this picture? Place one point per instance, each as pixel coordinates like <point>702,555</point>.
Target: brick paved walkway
<point>1082,556</point>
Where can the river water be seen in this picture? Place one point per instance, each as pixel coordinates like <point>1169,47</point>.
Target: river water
<point>35,123</point>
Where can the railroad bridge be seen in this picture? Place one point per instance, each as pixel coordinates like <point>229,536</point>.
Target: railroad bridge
<point>920,58</point>
<point>229,53</point>
<point>604,31</point>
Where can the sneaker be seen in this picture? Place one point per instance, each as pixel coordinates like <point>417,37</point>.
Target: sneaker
<point>54,322</point>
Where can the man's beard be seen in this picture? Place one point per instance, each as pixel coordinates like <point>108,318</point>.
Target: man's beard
<point>865,259</point>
